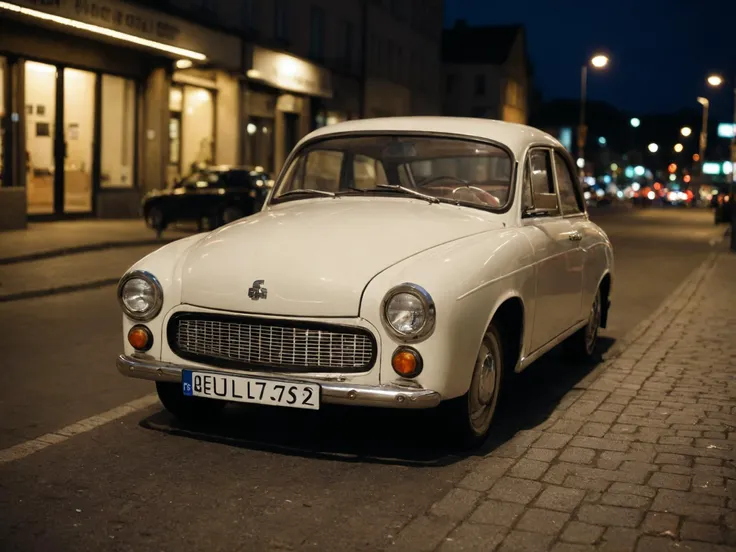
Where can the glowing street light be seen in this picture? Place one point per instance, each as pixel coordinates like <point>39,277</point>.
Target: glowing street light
<point>598,61</point>
<point>715,80</point>
<point>679,148</point>
<point>635,122</point>
<point>686,131</point>
<point>653,147</point>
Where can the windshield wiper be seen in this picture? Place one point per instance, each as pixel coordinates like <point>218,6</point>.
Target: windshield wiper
<point>409,191</point>
<point>349,189</point>
<point>307,191</point>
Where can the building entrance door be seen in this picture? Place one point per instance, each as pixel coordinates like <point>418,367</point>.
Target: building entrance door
<point>59,134</point>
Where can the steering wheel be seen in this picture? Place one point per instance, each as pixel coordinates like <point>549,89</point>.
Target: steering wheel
<point>444,177</point>
<point>490,199</point>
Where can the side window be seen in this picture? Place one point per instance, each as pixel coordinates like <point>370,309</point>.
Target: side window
<point>542,184</point>
<point>323,170</point>
<point>566,186</point>
<point>368,172</point>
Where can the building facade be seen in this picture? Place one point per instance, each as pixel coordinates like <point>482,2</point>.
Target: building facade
<point>486,72</point>
<point>102,101</point>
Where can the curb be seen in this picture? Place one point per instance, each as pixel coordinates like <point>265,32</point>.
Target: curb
<point>61,252</point>
<point>32,294</point>
<point>667,312</point>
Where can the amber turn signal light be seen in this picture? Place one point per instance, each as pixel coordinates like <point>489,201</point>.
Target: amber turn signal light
<point>140,338</point>
<point>406,362</point>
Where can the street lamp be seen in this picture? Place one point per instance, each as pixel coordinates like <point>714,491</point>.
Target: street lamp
<point>653,147</point>
<point>686,131</point>
<point>678,148</point>
<point>703,131</point>
<point>635,122</point>
<point>598,61</point>
<point>716,81</point>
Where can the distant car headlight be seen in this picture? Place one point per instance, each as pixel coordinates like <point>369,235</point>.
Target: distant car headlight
<point>408,312</point>
<point>140,295</point>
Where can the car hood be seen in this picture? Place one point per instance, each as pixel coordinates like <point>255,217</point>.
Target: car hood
<point>315,257</point>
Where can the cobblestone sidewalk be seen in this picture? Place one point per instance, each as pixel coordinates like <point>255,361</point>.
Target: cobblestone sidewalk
<point>643,458</point>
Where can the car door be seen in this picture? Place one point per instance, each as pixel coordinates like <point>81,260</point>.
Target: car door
<point>185,197</point>
<point>557,298</point>
<point>571,204</point>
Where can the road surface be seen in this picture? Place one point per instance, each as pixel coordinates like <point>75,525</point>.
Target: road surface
<point>341,479</point>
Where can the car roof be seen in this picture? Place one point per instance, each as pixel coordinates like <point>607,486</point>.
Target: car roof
<point>516,137</point>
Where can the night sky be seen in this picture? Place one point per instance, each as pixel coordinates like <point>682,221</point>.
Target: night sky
<point>661,50</point>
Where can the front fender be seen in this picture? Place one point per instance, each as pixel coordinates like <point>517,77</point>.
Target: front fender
<point>165,264</point>
<point>468,280</point>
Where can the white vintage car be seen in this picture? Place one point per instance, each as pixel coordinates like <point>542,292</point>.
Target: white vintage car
<point>400,262</point>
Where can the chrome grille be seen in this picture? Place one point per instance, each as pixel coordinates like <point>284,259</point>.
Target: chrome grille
<point>243,342</point>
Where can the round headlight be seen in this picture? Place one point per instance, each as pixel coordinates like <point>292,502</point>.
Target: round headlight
<point>408,312</point>
<point>140,295</point>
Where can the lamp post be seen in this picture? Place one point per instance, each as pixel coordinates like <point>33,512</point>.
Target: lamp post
<point>716,81</point>
<point>703,132</point>
<point>598,62</point>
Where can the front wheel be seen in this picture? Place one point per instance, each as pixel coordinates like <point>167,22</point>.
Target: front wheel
<point>189,409</point>
<point>470,416</point>
<point>583,344</point>
<point>156,220</point>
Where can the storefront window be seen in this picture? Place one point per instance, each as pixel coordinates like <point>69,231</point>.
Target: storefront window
<point>197,128</point>
<point>259,151</point>
<point>118,132</point>
<point>40,91</point>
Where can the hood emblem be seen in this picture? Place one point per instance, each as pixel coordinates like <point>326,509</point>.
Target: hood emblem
<point>257,292</point>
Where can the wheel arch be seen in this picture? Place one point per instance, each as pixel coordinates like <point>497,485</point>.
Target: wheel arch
<point>509,317</point>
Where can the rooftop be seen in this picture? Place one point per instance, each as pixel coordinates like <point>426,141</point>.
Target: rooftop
<point>487,44</point>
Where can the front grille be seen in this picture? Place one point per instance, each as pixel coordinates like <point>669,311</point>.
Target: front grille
<point>261,344</point>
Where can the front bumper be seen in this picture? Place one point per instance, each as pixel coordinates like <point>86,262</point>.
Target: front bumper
<point>385,396</point>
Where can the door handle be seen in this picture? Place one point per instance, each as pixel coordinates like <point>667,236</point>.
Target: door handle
<point>575,236</point>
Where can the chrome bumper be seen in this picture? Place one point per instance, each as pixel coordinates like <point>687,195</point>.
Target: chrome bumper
<point>384,396</point>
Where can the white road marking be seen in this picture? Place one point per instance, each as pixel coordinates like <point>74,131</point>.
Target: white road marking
<point>27,448</point>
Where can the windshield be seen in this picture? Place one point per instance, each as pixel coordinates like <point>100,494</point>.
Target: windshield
<point>446,169</point>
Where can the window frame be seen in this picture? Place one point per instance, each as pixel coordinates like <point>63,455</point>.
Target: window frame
<point>579,199</point>
<point>527,167</point>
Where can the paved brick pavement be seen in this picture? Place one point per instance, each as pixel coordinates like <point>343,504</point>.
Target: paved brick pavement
<point>638,457</point>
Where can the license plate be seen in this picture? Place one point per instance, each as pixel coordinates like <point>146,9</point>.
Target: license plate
<point>251,390</point>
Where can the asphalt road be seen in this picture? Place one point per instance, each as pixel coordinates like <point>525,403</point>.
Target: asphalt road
<point>265,479</point>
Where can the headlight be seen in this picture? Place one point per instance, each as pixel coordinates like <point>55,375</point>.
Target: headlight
<point>140,295</point>
<point>408,312</point>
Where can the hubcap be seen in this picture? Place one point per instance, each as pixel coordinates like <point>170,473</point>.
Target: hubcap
<point>483,389</point>
<point>591,331</point>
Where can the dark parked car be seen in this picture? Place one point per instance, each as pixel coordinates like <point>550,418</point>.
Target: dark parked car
<point>219,194</point>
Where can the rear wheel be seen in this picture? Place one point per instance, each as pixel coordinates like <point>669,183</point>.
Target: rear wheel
<point>231,214</point>
<point>189,409</point>
<point>471,415</point>
<point>583,345</point>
